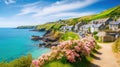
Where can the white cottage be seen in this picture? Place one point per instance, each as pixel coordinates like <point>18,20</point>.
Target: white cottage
<point>115,25</point>
<point>66,28</point>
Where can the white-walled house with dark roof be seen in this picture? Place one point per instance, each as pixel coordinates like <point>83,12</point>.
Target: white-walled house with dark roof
<point>114,25</point>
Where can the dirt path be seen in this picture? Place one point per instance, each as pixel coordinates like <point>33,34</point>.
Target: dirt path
<point>105,57</point>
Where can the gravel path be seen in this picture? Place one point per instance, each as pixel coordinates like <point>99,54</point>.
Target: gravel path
<point>105,57</point>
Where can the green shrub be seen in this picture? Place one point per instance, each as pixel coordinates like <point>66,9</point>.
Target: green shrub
<point>116,46</point>
<point>83,63</point>
<point>24,61</point>
<point>95,32</point>
<point>69,36</point>
<point>96,37</point>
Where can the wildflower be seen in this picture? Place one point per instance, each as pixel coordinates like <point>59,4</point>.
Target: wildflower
<point>77,48</point>
<point>71,58</point>
<point>87,50</point>
<point>35,63</point>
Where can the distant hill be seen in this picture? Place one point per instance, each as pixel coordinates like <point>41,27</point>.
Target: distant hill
<point>25,27</point>
<point>112,12</point>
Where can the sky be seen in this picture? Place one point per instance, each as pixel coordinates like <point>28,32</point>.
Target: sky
<point>15,13</point>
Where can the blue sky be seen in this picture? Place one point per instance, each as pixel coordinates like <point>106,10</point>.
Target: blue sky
<point>33,12</point>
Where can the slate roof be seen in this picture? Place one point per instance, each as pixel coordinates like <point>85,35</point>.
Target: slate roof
<point>115,23</point>
<point>91,25</point>
<point>96,25</point>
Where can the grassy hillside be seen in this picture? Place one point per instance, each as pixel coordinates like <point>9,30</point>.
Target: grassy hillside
<point>69,36</point>
<point>48,26</point>
<point>112,12</point>
<point>24,61</point>
<point>25,27</point>
<point>116,46</point>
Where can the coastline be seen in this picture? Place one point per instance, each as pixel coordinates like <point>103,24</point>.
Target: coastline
<point>18,43</point>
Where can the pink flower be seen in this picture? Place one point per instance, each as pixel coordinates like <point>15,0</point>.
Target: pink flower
<point>53,47</point>
<point>87,50</point>
<point>72,50</point>
<point>71,58</point>
<point>35,63</point>
<point>77,48</point>
<point>68,52</point>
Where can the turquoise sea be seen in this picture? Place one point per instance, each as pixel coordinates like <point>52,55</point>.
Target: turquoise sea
<point>17,42</point>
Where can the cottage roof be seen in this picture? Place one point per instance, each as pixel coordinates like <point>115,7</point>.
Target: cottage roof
<point>96,25</point>
<point>86,26</point>
<point>70,26</point>
<point>114,22</point>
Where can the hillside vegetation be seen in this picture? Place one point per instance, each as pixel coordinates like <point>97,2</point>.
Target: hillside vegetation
<point>24,61</point>
<point>116,46</point>
<point>69,36</point>
<point>112,12</point>
<point>48,26</point>
<point>25,27</point>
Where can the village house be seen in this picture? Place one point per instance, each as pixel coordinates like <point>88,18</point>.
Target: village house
<point>77,26</point>
<point>114,25</point>
<point>66,28</point>
<point>91,28</point>
<point>99,24</point>
<point>85,28</point>
<point>96,27</point>
<point>108,36</point>
<point>104,21</point>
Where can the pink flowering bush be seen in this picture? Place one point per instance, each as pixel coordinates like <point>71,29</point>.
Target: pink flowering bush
<point>72,50</point>
<point>36,63</point>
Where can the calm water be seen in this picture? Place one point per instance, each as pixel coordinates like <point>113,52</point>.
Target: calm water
<point>17,42</point>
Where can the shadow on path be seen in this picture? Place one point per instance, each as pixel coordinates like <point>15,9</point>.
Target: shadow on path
<point>94,65</point>
<point>95,57</point>
<point>96,52</point>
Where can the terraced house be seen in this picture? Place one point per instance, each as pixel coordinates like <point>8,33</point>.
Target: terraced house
<point>114,25</point>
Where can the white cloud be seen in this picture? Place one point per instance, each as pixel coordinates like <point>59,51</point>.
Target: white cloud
<point>66,15</point>
<point>65,6</point>
<point>37,14</point>
<point>59,6</point>
<point>28,10</point>
<point>9,1</point>
<point>73,14</point>
<point>31,4</point>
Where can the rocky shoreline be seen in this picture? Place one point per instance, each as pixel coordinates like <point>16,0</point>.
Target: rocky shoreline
<point>48,40</point>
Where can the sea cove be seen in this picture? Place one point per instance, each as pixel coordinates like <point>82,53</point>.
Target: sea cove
<point>17,42</point>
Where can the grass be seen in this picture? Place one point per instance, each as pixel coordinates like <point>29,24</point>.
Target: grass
<point>24,61</point>
<point>116,46</point>
<point>84,63</point>
<point>48,26</point>
<point>116,49</point>
<point>69,36</point>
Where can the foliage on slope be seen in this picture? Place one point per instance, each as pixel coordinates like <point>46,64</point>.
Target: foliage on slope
<point>49,26</point>
<point>116,46</point>
<point>25,27</point>
<point>24,61</point>
<point>69,36</point>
